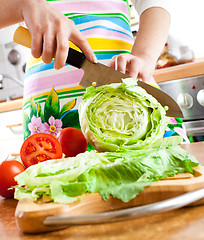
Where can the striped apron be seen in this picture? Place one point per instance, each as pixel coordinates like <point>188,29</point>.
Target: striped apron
<point>52,97</point>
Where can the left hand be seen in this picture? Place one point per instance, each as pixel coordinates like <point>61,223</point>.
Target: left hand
<point>134,66</point>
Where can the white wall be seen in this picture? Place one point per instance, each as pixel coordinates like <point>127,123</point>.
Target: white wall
<point>11,138</point>
<point>187,24</point>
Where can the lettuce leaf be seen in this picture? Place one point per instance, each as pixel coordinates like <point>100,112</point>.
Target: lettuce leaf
<point>120,174</point>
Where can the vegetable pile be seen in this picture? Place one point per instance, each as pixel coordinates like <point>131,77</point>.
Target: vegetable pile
<point>126,127</point>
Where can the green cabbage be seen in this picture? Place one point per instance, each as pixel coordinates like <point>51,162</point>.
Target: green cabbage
<point>122,116</point>
<point>120,174</point>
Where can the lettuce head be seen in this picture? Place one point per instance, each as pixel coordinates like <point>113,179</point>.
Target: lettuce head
<point>122,116</point>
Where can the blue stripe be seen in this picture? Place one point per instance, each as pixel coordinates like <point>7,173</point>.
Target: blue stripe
<point>117,21</point>
<point>39,68</point>
<point>67,113</point>
<point>107,56</point>
<point>110,29</point>
<point>168,133</point>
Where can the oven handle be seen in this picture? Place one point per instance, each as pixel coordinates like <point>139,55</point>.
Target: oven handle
<point>195,130</point>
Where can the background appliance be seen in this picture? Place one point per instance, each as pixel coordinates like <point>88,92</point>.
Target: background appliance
<point>188,92</point>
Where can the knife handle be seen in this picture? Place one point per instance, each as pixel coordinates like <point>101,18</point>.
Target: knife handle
<point>75,58</point>
<point>22,36</point>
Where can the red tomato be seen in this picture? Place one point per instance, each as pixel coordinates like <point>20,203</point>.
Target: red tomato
<point>40,147</point>
<point>73,141</point>
<point>8,170</point>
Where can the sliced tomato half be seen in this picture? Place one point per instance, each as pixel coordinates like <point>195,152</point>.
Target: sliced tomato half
<point>40,147</point>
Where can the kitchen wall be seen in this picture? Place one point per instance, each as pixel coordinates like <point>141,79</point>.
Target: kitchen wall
<point>187,21</point>
<point>186,28</point>
<point>11,137</point>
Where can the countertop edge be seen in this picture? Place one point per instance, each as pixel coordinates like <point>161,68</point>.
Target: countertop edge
<point>11,105</point>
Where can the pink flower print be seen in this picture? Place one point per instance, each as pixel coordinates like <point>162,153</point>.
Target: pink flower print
<point>55,126</point>
<point>173,121</point>
<point>36,125</point>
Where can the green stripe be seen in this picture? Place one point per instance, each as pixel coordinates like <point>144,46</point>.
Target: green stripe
<point>118,15</point>
<point>43,98</point>
<point>74,95</point>
<point>111,52</point>
<point>61,93</point>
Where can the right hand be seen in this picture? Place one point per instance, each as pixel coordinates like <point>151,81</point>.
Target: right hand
<point>135,66</point>
<point>50,31</point>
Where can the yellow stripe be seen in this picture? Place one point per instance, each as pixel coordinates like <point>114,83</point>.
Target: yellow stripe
<point>154,85</point>
<point>106,44</point>
<point>33,61</point>
<point>58,91</point>
<point>96,44</point>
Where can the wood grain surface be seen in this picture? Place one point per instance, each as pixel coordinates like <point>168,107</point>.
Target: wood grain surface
<point>11,105</point>
<point>174,225</point>
<point>194,68</point>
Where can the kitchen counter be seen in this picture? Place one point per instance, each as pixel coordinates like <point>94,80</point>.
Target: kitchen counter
<point>11,105</point>
<point>186,223</point>
<point>190,69</point>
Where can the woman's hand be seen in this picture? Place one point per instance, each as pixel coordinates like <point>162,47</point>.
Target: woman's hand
<point>50,31</point>
<point>134,66</point>
<point>149,42</point>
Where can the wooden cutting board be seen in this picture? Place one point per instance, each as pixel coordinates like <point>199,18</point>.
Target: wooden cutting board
<point>29,215</point>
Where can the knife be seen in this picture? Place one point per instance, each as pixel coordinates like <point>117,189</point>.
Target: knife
<point>97,74</point>
<point>129,213</point>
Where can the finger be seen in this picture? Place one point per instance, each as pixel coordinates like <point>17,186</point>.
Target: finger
<point>78,39</point>
<point>121,63</point>
<point>36,44</point>
<point>61,50</point>
<point>111,64</point>
<point>49,42</point>
<point>145,78</point>
<point>133,68</point>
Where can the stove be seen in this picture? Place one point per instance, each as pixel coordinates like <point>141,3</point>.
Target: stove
<point>188,92</point>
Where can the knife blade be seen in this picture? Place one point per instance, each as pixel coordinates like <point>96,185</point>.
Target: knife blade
<point>97,74</point>
<point>129,213</point>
